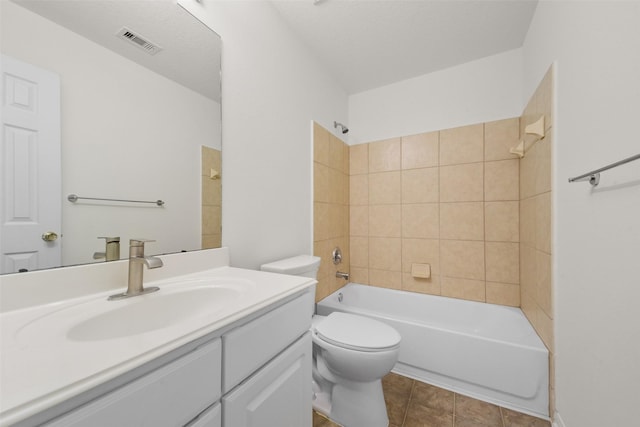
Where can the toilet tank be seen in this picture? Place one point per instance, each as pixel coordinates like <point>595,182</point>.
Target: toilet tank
<point>301,265</point>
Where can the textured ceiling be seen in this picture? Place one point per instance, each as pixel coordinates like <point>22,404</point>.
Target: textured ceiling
<point>372,43</point>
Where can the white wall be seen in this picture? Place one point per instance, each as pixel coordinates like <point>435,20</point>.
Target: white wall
<point>272,88</point>
<point>597,232</point>
<point>126,133</point>
<point>479,91</point>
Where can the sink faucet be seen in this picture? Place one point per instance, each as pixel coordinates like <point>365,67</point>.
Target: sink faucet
<point>136,262</point>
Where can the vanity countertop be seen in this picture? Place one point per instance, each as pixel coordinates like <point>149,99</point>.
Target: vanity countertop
<point>42,364</point>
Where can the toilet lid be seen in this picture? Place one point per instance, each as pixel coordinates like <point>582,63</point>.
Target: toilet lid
<point>357,332</point>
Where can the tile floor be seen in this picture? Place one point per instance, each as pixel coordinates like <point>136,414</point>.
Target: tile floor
<point>415,404</point>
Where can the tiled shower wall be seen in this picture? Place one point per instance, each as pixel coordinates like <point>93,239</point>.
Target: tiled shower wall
<point>449,199</point>
<point>535,221</point>
<point>330,207</point>
<point>211,198</point>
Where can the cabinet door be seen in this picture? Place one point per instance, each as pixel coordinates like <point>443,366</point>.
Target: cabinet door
<point>279,394</point>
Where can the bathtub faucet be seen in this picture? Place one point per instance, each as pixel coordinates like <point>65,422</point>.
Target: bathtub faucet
<point>345,276</point>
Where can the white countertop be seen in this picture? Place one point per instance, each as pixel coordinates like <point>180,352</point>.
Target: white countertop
<point>40,366</point>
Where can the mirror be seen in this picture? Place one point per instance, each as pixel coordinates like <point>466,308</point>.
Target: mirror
<point>139,121</point>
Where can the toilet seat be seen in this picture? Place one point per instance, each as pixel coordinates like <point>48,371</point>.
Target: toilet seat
<point>357,333</point>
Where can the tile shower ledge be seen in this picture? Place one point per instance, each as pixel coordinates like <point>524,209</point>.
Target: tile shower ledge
<point>45,367</point>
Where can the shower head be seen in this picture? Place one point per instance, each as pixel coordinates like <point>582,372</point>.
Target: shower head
<point>343,127</point>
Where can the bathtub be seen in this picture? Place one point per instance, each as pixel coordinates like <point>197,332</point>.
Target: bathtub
<point>486,351</point>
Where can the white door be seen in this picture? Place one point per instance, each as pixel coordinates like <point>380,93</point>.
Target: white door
<point>30,193</point>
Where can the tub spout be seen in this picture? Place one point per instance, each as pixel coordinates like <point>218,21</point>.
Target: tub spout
<point>345,276</point>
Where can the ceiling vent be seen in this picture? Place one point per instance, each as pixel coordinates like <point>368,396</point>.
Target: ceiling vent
<point>139,41</point>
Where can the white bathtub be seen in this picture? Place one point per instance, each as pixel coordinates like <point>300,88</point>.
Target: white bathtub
<point>485,351</point>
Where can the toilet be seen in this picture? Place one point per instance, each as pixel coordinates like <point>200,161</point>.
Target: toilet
<point>351,354</point>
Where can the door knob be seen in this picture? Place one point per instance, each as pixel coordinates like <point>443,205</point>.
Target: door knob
<point>49,236</point>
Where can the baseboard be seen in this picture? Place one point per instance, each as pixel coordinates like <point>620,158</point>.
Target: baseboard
<point>557,420</point>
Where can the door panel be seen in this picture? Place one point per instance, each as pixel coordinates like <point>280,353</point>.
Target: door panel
<point>30,194</point>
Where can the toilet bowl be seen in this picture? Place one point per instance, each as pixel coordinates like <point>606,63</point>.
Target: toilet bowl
<point>351,354</point>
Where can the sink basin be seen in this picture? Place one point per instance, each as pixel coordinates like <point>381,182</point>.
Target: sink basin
<point>173,305</point>
<point>155,312</point>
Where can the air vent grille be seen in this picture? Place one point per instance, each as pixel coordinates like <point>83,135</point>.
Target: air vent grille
<point>138,40</point>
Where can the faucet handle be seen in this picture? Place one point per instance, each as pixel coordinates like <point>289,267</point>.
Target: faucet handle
<point>110,239</point>
<point>139,242</point>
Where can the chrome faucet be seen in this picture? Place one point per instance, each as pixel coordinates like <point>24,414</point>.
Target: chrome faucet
<point>136,262</point>
<point>340,274</point>
<point>112,249</point>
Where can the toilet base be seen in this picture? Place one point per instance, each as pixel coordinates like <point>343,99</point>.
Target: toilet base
<point>354,404</point>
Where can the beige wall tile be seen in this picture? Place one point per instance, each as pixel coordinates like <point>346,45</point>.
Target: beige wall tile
<point>211,191</point>
<point>544,327</point>
<point>337,220</point>
<point>424,286</point>
<point>322,288</point>
<point>336,153</point>
<point>211,241</point>
<point>503,262</point>
<point>421,251</point>
<point>320,144</point>
<point>528,174</point>
<point>543,222</point>
<point>528,268</point>
<point>462,145</point>
<point>385,220</point>
<point>210,158</point>
<point>528,221</point>
<point>421,221</point>
<point>320,221</point>
<point>211,220</point>
<point>385,279</point>
<point>384,155</point>
<point>322,250</point>
<point>359,159</point>
<point>503,294</point>
<point>336,186</point>
<point>384,188</point>
<point>473,290</point>
<point>320,182</point>
<point>385,254</point>
<point>359,275</point>
<point>463,259</point>
<point>502,221</point>
<point>462,183</point>
<point>420,151</point>
<point>420,185</point>
<point>499,137</point>
<point>359,220</point>
<point>502,180</point>
<point>543,283</point>
<point>462,221</point>
<point>359,189</point>
<point>359,248</point>
<point>543,165</point>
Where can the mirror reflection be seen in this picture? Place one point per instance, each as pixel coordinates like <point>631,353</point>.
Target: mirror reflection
<point>116,99</point>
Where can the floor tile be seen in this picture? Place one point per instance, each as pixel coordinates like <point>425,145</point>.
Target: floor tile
<point>433,397</point>
<point>482,413</point>
<point>471,422</point>
<point>516,419</point>
<point>321,421</point>
<point>397,391</point>
<point>423,416</point>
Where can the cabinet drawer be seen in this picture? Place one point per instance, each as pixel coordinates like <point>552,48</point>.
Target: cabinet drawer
<point>212,417</point>
<point>279,394</point>
<point>169,396</point>
<point>248,347</point>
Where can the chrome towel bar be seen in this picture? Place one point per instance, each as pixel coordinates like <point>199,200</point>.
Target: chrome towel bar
<point>74,198</point>
<point>594,176</point>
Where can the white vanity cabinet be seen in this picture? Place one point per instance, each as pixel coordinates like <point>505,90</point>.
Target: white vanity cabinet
<point>169,396</point>
<point>256,372</point>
